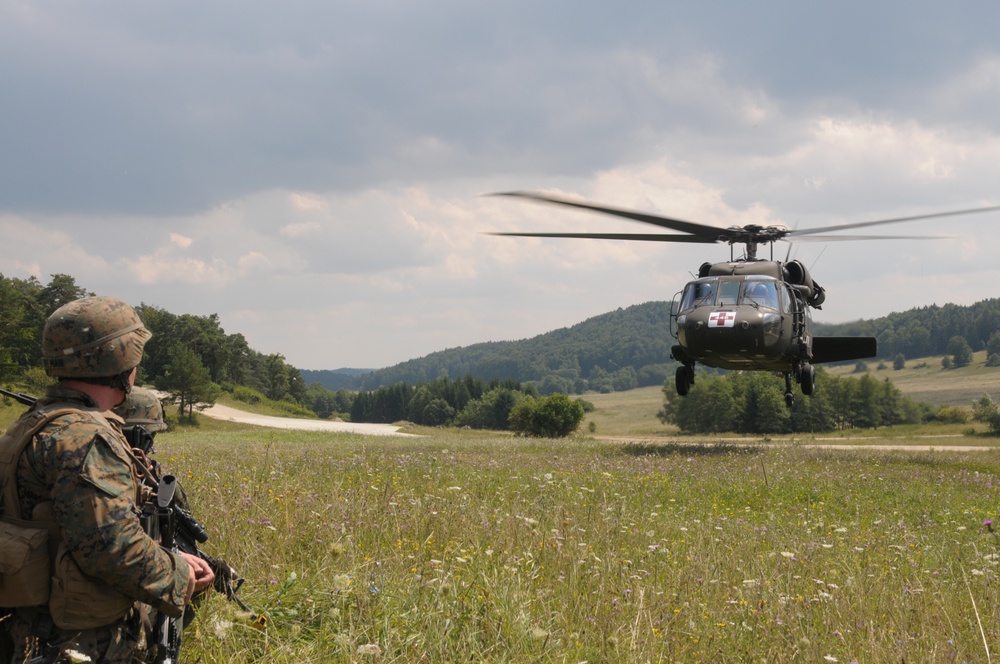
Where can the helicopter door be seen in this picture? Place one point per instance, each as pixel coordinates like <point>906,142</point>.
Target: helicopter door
<point>676,306</point>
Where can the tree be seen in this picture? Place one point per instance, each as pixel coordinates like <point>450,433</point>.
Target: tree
<point>491,411</point>
<point>985,410</point>
<point>187,381</point>
<point>899,362</point>
<point>993,350</point>
<point>960,351</point>
<point>554,416</point>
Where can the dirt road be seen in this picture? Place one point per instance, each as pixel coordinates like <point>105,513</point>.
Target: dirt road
<point>364,428</point>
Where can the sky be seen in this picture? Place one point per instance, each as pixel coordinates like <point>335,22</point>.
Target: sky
<point>315,171</point>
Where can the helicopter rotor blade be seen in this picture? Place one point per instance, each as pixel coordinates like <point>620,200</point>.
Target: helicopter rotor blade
<point>844,238</point>
<point>702,230</point>
<point>934,215</point>
<point>645,237</point>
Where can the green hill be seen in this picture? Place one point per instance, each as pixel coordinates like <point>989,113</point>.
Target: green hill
<point>619,350</point>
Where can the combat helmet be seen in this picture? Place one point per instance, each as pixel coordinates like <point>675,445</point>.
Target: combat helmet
<point>143,408</point>
<point>93,337</point>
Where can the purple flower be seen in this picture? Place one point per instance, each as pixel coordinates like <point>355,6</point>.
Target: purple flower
<point>989,524</point>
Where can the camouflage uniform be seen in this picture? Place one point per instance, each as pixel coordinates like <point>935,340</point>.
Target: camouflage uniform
<point>81,463</point>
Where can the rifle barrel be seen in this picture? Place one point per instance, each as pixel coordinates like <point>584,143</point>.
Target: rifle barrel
<point>20,397</point>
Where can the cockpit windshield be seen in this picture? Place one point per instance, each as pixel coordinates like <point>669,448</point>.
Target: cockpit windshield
<point>760,293</point>
<point>699,293</point>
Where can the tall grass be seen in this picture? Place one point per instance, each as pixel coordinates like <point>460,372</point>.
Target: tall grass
<point>462,548</point>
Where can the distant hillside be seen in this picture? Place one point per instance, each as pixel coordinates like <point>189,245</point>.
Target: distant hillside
<point>925,331</point>
<point>334,379</point>
<point>615,351</point>
<point>630,348</point>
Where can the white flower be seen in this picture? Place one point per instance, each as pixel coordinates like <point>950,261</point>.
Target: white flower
<point>370,649</point>
<point>830,658</point>
<point>221,628</point>
<point>78,657</point>
<point>341,582</point>
<point>787,554</point>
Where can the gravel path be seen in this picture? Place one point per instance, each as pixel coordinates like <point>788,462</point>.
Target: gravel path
<point>234,415</point>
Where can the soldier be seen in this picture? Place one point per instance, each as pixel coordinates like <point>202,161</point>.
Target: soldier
<point>75,477</point>
<point>142,407</point>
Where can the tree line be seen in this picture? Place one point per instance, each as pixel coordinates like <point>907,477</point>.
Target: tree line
<point>754,402</point>
<point>194,359</point>
<point>190,356</point>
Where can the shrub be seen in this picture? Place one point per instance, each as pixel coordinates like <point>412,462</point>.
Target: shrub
<point>247,395</point>
<point>555,416</point>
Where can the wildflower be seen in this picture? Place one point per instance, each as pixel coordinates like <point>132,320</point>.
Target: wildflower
<point>830,658</point>
<point>787,554</point>
<point>539,634</point>
<point>988,524</point>
<point>341,582</point>
<point>77,657</point>
<point>370,649</point>
<point>221,628</point>
<point>336,549</point>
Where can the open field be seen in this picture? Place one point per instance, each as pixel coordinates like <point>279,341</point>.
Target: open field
<point>460,547</point>
<point>478,546</point>
<point>926,381</point>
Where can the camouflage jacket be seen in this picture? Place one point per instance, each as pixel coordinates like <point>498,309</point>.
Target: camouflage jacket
<point>86,471</point>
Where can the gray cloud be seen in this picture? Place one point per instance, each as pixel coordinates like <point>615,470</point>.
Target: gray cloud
<point>311,171</point>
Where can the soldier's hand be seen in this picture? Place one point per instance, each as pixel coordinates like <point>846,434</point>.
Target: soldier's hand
<point>200,575</point>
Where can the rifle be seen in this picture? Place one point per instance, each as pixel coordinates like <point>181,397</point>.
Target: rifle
<point>19,397</point>
<point>167,519</point>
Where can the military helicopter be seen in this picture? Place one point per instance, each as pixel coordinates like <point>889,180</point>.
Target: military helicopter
<point>749,313</point>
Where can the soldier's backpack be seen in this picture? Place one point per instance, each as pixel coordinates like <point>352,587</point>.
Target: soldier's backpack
<point>25,559</point>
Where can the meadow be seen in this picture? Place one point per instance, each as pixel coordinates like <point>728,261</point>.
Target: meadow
<point>465,546</point>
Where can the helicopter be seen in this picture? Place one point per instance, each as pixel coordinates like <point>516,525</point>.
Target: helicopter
<point>748,313</point>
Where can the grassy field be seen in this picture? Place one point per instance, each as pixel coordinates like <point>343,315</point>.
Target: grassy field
<point>926,381</point>
<point>476,548</point>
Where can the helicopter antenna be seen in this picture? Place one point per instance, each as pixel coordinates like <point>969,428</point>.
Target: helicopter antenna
<point>825,247</point>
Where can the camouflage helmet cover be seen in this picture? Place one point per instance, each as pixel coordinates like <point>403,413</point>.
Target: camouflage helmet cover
<point>93,337</point>
<point>142,407</point>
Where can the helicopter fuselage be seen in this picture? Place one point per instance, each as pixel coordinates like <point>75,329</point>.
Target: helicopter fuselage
<point>745,319</point>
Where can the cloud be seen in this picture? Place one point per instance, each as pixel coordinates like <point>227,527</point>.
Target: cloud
<point>313,172</point>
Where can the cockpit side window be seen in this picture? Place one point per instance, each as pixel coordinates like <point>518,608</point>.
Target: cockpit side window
<point>787,300</point>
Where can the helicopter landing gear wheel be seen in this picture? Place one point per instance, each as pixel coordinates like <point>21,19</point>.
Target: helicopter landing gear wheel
<point>807,378</point>
<point>683,379</point>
